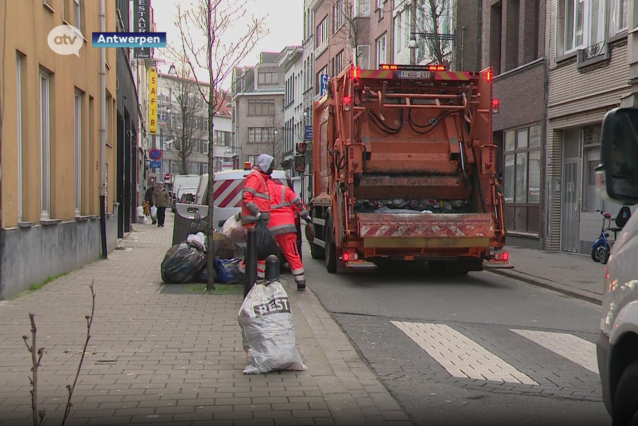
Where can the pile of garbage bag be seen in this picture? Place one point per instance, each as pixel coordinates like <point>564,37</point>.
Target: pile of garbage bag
<point>187,262</point>
<point>268,331</point>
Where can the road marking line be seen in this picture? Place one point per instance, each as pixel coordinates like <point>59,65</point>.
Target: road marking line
<point>459,355</point>
<point>566,345</point>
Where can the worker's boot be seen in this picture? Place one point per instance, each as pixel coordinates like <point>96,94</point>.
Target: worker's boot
<point>301,285</point>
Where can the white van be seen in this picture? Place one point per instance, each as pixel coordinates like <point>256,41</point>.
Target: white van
<point>228,188</point>
<point>617,179</point>
<point>189,181</point>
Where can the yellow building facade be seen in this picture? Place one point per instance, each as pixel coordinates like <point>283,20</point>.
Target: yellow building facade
<point>51,156</point>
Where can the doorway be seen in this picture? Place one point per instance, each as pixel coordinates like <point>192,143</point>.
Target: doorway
<point>570,223</point>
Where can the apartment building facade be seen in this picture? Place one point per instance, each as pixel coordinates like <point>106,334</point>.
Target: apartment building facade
<point>51,144</point>
<point>588,76</point>
<point>513,34</point>
<point>292,63</point>
<point>258,109</point>
<point>183,127</point>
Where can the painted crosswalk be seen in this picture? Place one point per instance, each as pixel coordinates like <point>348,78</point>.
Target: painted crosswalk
<point>459,355</point>
<point>462,357</point>
<point>566,345</point>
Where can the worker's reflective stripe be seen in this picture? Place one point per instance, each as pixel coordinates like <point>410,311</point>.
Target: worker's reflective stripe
<point>283,229</point>
<point>300,278</point>
<point>246,219</point>
<point>263,182</point>
<point>299,271</point>
<point>264,196</point>
<point>251,190</point>
<point>252,206</point>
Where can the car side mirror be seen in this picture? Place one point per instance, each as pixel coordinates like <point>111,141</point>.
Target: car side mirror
<point>617,175</point>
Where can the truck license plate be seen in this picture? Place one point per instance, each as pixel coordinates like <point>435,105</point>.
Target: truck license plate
<point>414,74</point>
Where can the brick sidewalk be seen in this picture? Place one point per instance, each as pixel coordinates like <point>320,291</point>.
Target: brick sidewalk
<point>574,274</point>
<point>158,357</point>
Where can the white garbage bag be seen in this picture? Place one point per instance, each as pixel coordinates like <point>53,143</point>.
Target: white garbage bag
<point>230,224</point>
<point>197,240</point>
<point>268,331</point>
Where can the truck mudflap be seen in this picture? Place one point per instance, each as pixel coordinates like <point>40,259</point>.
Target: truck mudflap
<point>425,230</point>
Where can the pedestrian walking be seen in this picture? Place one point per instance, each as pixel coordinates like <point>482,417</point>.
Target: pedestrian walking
<point>161,200</point>
<point>256,202</point>
<point>148,198</point>
<point>284,203</point>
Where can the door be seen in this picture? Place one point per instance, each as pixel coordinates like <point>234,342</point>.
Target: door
<point>570,226</point>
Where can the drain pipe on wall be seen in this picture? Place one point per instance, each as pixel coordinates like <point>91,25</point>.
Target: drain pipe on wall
<point>103,140</point>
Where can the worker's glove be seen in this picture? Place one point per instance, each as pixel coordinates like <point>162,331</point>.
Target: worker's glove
<point>258,216</point>
<point>307,219</point>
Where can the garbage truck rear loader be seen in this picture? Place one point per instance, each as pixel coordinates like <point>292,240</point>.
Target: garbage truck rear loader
<point>404,168</point>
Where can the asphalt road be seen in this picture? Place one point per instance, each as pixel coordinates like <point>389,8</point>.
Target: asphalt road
<point>442,344</point>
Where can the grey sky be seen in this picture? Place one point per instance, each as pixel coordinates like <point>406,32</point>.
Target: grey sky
<point>284,20</point>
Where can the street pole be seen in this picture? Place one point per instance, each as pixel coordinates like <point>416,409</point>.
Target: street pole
<point>413,31</point>
<point>103,134</point>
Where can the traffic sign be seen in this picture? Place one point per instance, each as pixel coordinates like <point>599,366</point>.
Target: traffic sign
<point>155,154</point>
<point>167,177</point>
<point>324,84</point>
<point>308,133</point>
<point>155,164</point>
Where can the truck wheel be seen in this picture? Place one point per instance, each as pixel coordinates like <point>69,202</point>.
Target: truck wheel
<point>330,251</point>
<point>625,410</point>
<point>317,252</point>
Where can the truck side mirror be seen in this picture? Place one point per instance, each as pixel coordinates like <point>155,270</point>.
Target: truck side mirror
<point>617,176</point>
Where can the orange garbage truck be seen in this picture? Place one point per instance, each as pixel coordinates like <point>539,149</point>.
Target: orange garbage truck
<point>404,168</point>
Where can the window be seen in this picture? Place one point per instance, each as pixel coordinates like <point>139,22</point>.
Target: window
<point>261,107</point>
<point>45,146</point>
<point>205,146</point>
<point>337,15</point>
<point>398,41</point>
<point>19,60</point>
<point>261,134</point>
<point>321,35</point>
<point>252,159</point>
<point>77,14</point>
<point>380,8</point>
<point>268,78</point>
<point>381,52</point>
<point>78,153</point>
<point>618,16</point>
<point>338,63</point>
<point>361,8</point>
<point>522,179</point>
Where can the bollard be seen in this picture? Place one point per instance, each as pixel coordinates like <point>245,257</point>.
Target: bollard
<point>272,268</point>
<point>251,260</point>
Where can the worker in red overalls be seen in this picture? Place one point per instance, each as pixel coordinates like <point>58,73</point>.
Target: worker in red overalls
<point>256,202</point>
<point>284,204</point>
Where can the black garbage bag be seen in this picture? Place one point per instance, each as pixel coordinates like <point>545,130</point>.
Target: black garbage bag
<point>182,263</point>
<point>266,243</point>
<point>202,276</point>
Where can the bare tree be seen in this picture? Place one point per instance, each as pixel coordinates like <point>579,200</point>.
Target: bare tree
<point>186,122</point>
<point>353,27</point>
<point>213,19</point>
<point>274,143</point>
<point>432,17</point>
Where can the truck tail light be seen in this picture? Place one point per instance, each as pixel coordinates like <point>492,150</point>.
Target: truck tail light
<point>350,255</point>
<point>502,257</point>
<point>347,101</point>
<point>496,103</point>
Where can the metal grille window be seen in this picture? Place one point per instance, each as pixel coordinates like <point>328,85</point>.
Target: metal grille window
<point>522,179</point>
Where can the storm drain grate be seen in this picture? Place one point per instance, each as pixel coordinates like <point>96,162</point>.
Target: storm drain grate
<point>78,353</point>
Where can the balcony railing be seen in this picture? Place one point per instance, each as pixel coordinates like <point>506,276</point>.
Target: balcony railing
<point>593,51</point>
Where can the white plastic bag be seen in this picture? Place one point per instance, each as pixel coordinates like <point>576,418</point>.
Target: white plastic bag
<point>268,331</point>
<point>154,212</point>
<point>198,241</point>
<point>230,224</point>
